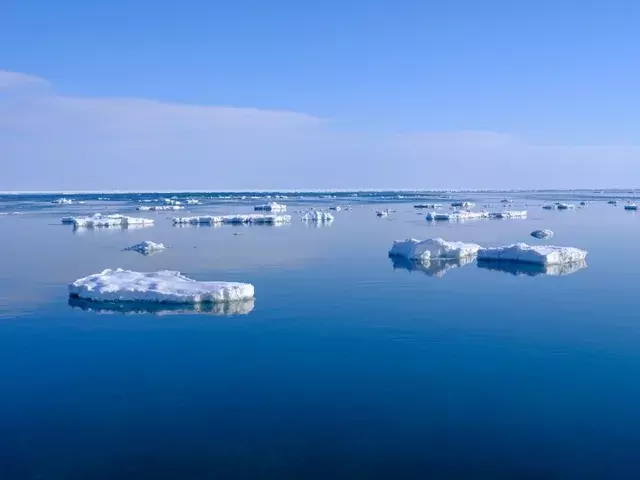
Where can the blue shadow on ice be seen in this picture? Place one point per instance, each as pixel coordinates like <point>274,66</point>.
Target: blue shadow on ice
<point>155,308</point>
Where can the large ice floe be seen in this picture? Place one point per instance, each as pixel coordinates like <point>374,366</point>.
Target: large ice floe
<point>432,248</point>
<point>271,207</point>
<point>546,233</point>
<point>431,268</point>
<point>509,214</point>
<point>239,307</point>
<point>255,218</point>
<point>531,269</point>
<point>164,286</point>
<point>317,216</point>
<point>456,215</point>
<point>99,220</point>
<point>160,208</point>
<point>537,254</point>
<point>146,248</point>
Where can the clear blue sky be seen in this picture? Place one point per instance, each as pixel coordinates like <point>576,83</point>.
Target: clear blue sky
<point>561,73</point>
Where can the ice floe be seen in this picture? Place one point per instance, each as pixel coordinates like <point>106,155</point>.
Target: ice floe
<point>463,204</point>
<point>613,202</point>
<point>317,216</point>
<point>160,208</point>
<point>456,215</point>
<point>631,206</point>
<point>164,286</point>
<point>432,248</point>
<point>146,248</point>
<point>336,208</point>
<point>115,220</point>
<point>428,205</point>
<point>551,206</point>
<point>271,207</point>
<point>431,268</point>
<point>546,233</point>
<point>240,307</point>
<point>537,254</point>
<point>509,214</point>
<point>565,206</point>
<point>383,213</point>
<point>235,219</point>
<point>532,270</point>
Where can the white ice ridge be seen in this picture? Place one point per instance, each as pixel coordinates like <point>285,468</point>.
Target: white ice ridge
<point>146,248</point>
<point>538,255</point>
<point>542,233</point>
<point>160,208</point>
<point>271,207</point>
<point>235,219</point>
<point>456,215</point>
<point>432,248</point>
<point>631,206</point>
<point>115,220</point>
<point>463,204</point>
<point>509,214</point>
<point>428,205</point>
<point>317,216</point>
<point>164,286</point>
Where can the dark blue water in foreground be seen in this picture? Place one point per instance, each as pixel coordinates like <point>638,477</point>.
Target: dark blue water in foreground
<point>345,367</point>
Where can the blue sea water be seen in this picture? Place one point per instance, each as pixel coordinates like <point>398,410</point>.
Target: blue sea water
<point>345,366</point>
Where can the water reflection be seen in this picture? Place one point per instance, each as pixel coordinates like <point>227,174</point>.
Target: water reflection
<point>531,270</point>
<point>160,309</point>
<point>111,228</point>
<point>431,268</point>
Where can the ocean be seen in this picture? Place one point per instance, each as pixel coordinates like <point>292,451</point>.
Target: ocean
<point>348,364</point>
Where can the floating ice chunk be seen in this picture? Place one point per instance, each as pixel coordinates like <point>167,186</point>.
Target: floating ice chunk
<point>583,203</point>
<point>160,208</point>
<point>432,248</point>
<point>631,206</point>
<point>336,208</point>
<point>146,248</point>
<point>109,221</point>
<point>542,233</point>
<point>240,307</point>
<point>383,213</point>
<point>428,205</point>
<point>235,219</point>
<point>533,270</point>
<point>206,219</point>
<point>193,201</point>
<point>171,201</point>
<point>317,216</point>
<point>463,204</point>
<point>565,206</point>
<point>271,207</point>
<point>62,201</point>
<point>431,268</point>
<point>612,202</point>
<point>505,200</point>
<point>456,215</point>
<point>538,254</point>
<point>552,206</point>
<point>509,214</point>
<point>164,286</point>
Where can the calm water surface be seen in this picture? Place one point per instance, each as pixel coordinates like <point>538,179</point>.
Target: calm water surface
<point>345,366</point>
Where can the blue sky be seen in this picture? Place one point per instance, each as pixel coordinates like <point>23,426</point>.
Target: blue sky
<point>513,94</point>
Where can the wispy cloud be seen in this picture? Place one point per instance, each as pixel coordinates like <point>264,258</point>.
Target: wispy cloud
<point>54,141</point>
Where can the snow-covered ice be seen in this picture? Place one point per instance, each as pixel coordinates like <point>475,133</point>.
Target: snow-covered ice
<point>509,214</point>
<point>546,233</point>
<point>115,220</point>
<point>317,216</point>
<point>463,204</point>
<point>164,286</point>
<point>271,207</point>
<point>432,248</point>
<point>235,219</point>
<point>456,215</point>
<point>146,248</point>
<point>533,270</point>
<point>537,254</point>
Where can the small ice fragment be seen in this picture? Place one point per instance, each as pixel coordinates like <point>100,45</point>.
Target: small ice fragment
<point>146,248</point>
<point>428,205</point>
<point>612,202</point>
<point>552,206</point>
<point>336,208</point>
<point>432,248</point>
<point>542,233</point>
<point>565,206</point>
<point>164,286</point>
<point>509,214</point>
<point>383,213</point>
<point>539,254</point>
<point>271,207</point>
<point>631,206</point>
